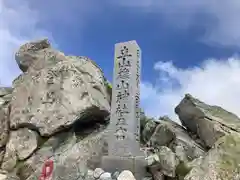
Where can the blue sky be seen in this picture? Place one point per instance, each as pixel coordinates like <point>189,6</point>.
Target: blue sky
<point>188,46</point>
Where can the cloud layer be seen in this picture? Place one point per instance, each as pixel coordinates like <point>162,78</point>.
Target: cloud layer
<point>215,82</point>
<point>219,19</point>
<point>18,24</point>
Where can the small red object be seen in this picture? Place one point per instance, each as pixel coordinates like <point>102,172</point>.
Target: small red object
<point>47,170</point>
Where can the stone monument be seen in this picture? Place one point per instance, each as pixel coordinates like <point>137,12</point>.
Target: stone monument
<point>124,129</point>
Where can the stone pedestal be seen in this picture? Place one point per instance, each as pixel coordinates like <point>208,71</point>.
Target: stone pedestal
<point>137,165</point>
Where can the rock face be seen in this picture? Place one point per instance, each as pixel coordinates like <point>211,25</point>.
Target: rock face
<point>58,112</point>
<point>221,162</point>
<point>208,122</point>
<point>56,90</point>
<point>29,54</point>
<point>21,145</point>
<point>168,133</point>
<point>5,98</point>
<point>164,161</point>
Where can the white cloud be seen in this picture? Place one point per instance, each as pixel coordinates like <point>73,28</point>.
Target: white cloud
<point>216,82</point>
<point>18,24</point>
<point>220,18</point>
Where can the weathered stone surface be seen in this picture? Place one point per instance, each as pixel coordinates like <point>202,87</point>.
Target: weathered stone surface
<point>21,145</point>
<point>65,150</point>
<point>5,91</point>
<point>9,177</point>
<point>4,125</point>
<point>5,98</point>
<point>105,176</point>
<point>2,152</point>
<point>98,172</point>
<point>166,161</point>
<point>70,169</point>
<point>168,133</point>
<point>148,130</point>
<point>10,159</point>
<point>221,162</point>
<point>53,96</point>
<point>126,175</point>
<point>31,53</point>
<point>3,176</point>
<point>157,175</point>
<point>208,122</point>
<point>124,127</point>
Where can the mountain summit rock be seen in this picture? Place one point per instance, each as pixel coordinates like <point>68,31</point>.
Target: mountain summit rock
<point>58,110</point>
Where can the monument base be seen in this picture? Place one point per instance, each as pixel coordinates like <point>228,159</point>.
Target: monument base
<point>137,165</point>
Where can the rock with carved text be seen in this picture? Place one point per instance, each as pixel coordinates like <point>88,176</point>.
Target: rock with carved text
<point>57,90</point>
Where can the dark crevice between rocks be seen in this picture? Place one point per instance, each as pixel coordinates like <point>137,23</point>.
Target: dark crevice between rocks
<point>41,139</point>
<point>2,150</point>
<point>90,121</point>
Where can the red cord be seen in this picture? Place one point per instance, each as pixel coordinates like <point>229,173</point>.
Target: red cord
<point>46,174</point>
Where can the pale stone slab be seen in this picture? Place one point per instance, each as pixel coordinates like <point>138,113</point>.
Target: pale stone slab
<point>124,129</point>
<point>124,123</point>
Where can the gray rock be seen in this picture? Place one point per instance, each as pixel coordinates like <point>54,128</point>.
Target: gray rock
<point>157,175</point>
<point>148,130</point>
<point>4,125</point>
<point>162,135</point>
<point>9,177</point>
<point>168,133</point>
<point>54,95</point>
<point>115,175</point>
<point>166,161</point>
<point>147,178</point>
<point>20,146</point>
<point>70,169</point>
<point>105,176</point>
<point>2,152</point>
<point>221,162</point>
<point>30,53</point>
<point>89,175</point>
<point>208,122</point>
<point>85,154</point>
<point>5,98</point>
<point>126,175</point>
<point>98,172</point>
<point>5,91</point>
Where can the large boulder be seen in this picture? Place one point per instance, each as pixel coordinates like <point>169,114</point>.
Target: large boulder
<point>148,130</point>
<point>22,143</point>
<point>221,162</point>
<point>57,90</point>
<point>170,134</point>
<point>32,53</point>
<point>164,161</point>
<point>73,156</point>
<point>208,122</point>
